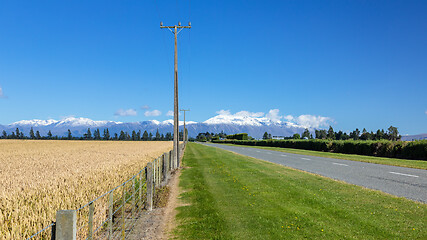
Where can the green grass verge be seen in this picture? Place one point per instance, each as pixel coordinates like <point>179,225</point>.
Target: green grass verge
<point>230,196</point>
<point>420,164</point>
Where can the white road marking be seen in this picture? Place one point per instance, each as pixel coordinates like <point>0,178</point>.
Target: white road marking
<point>306,159</point>
<point>268,152</point>
<point>403,174</point>
<point>283,155</point>
<point>341,164</point>
<point>257,151</point>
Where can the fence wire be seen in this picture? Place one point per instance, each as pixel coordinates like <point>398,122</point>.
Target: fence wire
<point>114,214</point>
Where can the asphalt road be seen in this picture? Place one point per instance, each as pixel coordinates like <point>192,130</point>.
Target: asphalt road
<point>400,181</point>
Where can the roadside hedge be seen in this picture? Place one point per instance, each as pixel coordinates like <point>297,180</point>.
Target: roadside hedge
<point>238,136</point>
<point>382,148</point>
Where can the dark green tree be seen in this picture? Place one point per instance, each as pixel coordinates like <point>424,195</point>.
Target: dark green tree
<point>168,136</point>
<point>38,135</point>
<point>157,135</point>
<point>306,133</point>
<point>12,136</point>
<point>122,135</point>
<point>338,135</point>
<point>265,136</point>
<point>355,134</point>
<point>393,134</point>
<point>49,135</point>
<point>365,135</point>
<point>106,134</point>
<point>116,136</point>
<point>145,136</point>
<point>162,137</point>
<point>32,136</point>
<point>4,134</point>
<point>331,133</point>
<point>88,135</point>
<point>97,134</point>
<point>201,137</point>
<point>70,136</point>
<point>134,135</point>
<point>345,136</point>
<point>296,136</point>
<point>320,134</point>
<point>150,137</point>
<point>138,135</point>
<point>18,133</point>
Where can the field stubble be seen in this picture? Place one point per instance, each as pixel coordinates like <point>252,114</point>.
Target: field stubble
<point>37,178</point>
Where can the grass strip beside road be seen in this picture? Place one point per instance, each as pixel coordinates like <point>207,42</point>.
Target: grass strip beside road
<point>229,196</point>
<point>420,164</point>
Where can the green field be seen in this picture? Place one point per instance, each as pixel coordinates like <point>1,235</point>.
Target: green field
<point>420,164</point>
<point>229,196</point>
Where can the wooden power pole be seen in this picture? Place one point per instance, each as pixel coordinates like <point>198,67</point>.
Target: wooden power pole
<point>175,31</point>
<point>185,137</point>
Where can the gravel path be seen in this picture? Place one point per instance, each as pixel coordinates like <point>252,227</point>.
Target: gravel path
<point>158,224</point>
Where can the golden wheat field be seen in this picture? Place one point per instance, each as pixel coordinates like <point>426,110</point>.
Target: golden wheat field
<point>38,177</point>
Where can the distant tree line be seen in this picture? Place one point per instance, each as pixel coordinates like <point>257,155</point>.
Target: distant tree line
<point>96,135</point>
<point>391,134</point>
<point>203,137</point>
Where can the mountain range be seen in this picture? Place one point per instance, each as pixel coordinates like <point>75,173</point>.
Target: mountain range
<point>229,124</point>
<point>254,125</point>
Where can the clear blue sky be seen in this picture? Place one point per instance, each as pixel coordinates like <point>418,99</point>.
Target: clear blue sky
<point>361,63</point>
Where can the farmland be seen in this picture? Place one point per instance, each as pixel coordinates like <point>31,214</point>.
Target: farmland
<point>39,177</point>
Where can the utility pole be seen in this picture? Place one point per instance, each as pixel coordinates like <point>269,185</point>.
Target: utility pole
<point>185,137</point>
<point>175,31</point>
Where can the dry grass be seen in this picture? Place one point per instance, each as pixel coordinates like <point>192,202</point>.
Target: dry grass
<point>39,177</point>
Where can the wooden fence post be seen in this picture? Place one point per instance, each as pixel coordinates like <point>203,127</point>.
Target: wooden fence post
<point>140,189</point>
<point>149,183</point>
<point>110,216</point>
<point>66,225</point>
<point>165,168</point>
<point>133,197</point>
<point>123,211</point>
<point>90,222</point>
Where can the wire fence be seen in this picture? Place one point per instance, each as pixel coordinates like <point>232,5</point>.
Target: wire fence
<point>113,214</point>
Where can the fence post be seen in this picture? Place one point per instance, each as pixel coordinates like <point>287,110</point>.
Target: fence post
<point>173,160</point>
<point>123,210</point>
<point>53,232</point>
<point>66,225</point>
<point>180,156</point>
<point>154,172</point>
<point>159,179</point>
<point>170,160</point>
<point>90,224</point>
<point>149,183</point>
<point>110,216</point>
<point>140,189</point>
<point>133,197</point>
<point>165,168</point>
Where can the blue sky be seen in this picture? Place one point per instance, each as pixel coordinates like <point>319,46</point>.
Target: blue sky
<point>360,63</point>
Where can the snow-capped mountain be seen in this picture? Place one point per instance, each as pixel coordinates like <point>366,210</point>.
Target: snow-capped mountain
<point>255,126</point>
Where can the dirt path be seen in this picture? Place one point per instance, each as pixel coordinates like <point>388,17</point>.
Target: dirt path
<point>158,223</point>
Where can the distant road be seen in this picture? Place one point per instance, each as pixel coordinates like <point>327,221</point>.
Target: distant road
<point>400,181</point>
